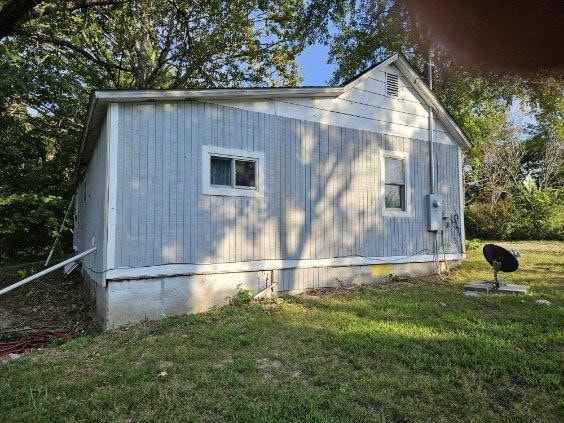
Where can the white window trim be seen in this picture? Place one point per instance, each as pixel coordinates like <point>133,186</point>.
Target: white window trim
<point>388,212</point>
<point>208,189</point>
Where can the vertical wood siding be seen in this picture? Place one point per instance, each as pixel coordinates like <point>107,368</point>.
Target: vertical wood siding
<point>322,189</point>
<point>89,225</point>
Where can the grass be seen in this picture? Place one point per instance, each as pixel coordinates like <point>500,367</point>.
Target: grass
<point>413,350</point>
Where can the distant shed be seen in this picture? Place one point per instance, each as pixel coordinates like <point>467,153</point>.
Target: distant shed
<point>190,194</point>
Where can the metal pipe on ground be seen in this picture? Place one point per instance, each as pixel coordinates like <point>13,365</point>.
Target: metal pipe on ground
<point>45,271</point>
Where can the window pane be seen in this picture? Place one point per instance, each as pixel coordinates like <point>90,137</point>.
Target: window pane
<point>245,174</point>
<point>220,171</point>
<point>395,197</point>
<point>394,171</point>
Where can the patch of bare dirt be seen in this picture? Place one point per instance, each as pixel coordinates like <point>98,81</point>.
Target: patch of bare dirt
<point>223,362</point>
<point>533,247</point>
<point>48,302</point>
<point>268,368</point>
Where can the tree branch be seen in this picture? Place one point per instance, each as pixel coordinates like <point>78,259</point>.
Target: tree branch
<point>14,14</point>
<point>64,44</point>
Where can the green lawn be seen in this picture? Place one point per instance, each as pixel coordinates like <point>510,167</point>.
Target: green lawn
<point>405,351</point>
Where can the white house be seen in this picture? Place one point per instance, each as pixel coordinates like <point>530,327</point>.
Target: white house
<point>187,194</point>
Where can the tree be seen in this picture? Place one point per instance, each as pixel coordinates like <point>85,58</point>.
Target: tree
<point>54,52</point>
<point>367,31</point>
<point>15,14</point>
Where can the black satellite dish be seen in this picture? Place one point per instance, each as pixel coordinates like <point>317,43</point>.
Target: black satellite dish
<point>500,259</point>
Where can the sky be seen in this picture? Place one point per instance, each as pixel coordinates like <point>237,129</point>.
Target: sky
<point>314,67</point>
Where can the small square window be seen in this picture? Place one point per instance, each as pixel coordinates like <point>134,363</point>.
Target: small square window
<point>232,172</point>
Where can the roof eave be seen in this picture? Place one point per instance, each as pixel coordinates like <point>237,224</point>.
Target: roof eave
<point>119,96</point>
<point>99,101</point>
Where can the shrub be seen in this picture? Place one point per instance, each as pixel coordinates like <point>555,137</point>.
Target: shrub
<point>485,222</point>
<point>540,214</point>
<point>530,213</point>
<point>243,297</point>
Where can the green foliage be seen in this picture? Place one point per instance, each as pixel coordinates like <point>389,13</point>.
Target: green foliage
<point>243,297</point>
<point>28,225</point>
<point>530,213</point>
<point>472,244</point>
<point>540,213</point>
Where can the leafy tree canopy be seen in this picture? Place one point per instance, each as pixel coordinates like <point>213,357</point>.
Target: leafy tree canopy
<point>53,52</point>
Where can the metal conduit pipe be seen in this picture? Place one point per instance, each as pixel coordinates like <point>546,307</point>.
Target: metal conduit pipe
<point>48,270</point>
<point>432,184</point>
<point>431,127</point>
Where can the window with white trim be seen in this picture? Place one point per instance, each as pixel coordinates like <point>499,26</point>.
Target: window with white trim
<point>395,183</point>
<point>232,172</point>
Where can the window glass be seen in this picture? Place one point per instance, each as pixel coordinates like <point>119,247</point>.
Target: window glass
<point>395,197</point>
<point>394,171</point>
<point>245,171</point>
<point>220,171</point>
<point>394,176</point>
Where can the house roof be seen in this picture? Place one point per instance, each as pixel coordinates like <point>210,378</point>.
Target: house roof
<point>100,99</point>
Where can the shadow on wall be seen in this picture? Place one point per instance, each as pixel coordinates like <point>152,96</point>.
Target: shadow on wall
<point>322,189</point>
<point>322,195</point>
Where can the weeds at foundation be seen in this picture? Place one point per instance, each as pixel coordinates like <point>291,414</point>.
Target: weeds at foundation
<point>243,297</point>
<point>399,278</point>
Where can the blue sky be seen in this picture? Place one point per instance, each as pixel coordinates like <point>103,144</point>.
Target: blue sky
<point>313,65</point>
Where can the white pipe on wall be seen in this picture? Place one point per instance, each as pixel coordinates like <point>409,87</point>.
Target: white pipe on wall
<point>431,127</point>
<point>48,270</point>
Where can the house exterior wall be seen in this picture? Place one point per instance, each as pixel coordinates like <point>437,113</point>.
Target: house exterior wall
<point>322,189</point>
<point>166,247</point>
<point>90,212</point>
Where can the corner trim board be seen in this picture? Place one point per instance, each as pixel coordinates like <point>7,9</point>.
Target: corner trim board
<point>461,197</point>
<point>167,270</point>
<point>112,185</point>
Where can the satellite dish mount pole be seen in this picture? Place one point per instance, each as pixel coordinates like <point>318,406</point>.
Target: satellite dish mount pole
<point>496,268</point>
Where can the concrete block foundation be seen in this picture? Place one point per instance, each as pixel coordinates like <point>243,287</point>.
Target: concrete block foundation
<point>123,302</point>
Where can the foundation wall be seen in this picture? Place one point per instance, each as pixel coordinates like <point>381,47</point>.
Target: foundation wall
<point>98,296</point>
<point>130,301</point>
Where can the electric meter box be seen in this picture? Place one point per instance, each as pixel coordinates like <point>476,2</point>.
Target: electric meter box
<point>434,212</point>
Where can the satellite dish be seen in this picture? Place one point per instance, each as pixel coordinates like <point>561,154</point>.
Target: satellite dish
<point>500,259</point>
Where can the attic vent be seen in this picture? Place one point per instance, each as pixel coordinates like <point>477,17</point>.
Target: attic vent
<point>392,85</point>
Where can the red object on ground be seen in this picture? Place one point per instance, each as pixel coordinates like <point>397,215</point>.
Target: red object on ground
<point>16,342</point>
